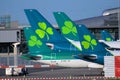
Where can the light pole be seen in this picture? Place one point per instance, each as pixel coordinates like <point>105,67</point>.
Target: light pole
<point>8,55</point>
<point>16,53</point>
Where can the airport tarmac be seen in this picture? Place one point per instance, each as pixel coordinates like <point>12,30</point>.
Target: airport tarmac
<point>50,73</point>
<point>59,72</point>
<point>65,72</point>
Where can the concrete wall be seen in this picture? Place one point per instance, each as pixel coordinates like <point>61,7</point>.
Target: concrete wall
<point>10,36</point>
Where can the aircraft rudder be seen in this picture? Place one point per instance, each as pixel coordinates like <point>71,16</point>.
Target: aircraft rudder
<point>106,36</point>
<point>35,44</point>
<point>88,41</point>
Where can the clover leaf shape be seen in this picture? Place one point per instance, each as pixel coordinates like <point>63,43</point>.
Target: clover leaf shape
<point>108,39</point>
<point>89,42</point>
<point>44,30</point>
<point>33,41</point>
<point>69,27</point>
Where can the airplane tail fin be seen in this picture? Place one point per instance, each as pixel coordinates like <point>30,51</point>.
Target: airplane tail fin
<point>106,36</point>
<point>35,45</point>
<point>91,48</point>
<point>88,42</point>
<point>38,50</point>
<point>68,28</point>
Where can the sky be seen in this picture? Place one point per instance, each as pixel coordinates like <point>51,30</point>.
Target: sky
<point>75,9</point>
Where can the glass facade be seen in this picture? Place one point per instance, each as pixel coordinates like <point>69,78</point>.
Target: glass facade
<point>5,21</point>
<point>6,48</point>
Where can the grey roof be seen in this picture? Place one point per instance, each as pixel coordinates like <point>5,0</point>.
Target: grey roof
<point>10,29</point>
<point>111,11</point>
<point>92,22</point>
<point>95,22</point>
<point>111,15</point>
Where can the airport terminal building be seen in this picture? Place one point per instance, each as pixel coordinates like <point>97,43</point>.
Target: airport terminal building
<point>11,33</point>
<point>107,21</point>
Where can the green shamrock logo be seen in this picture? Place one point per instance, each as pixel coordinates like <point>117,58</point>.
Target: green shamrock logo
<point>33,41</point>
<point>69,28</point>
<point>88,42</point>
<point>108,39</point>
<point>44,30</point>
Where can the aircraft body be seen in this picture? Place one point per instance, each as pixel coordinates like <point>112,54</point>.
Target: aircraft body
<point>91,55</point>
<point>39,52</point>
